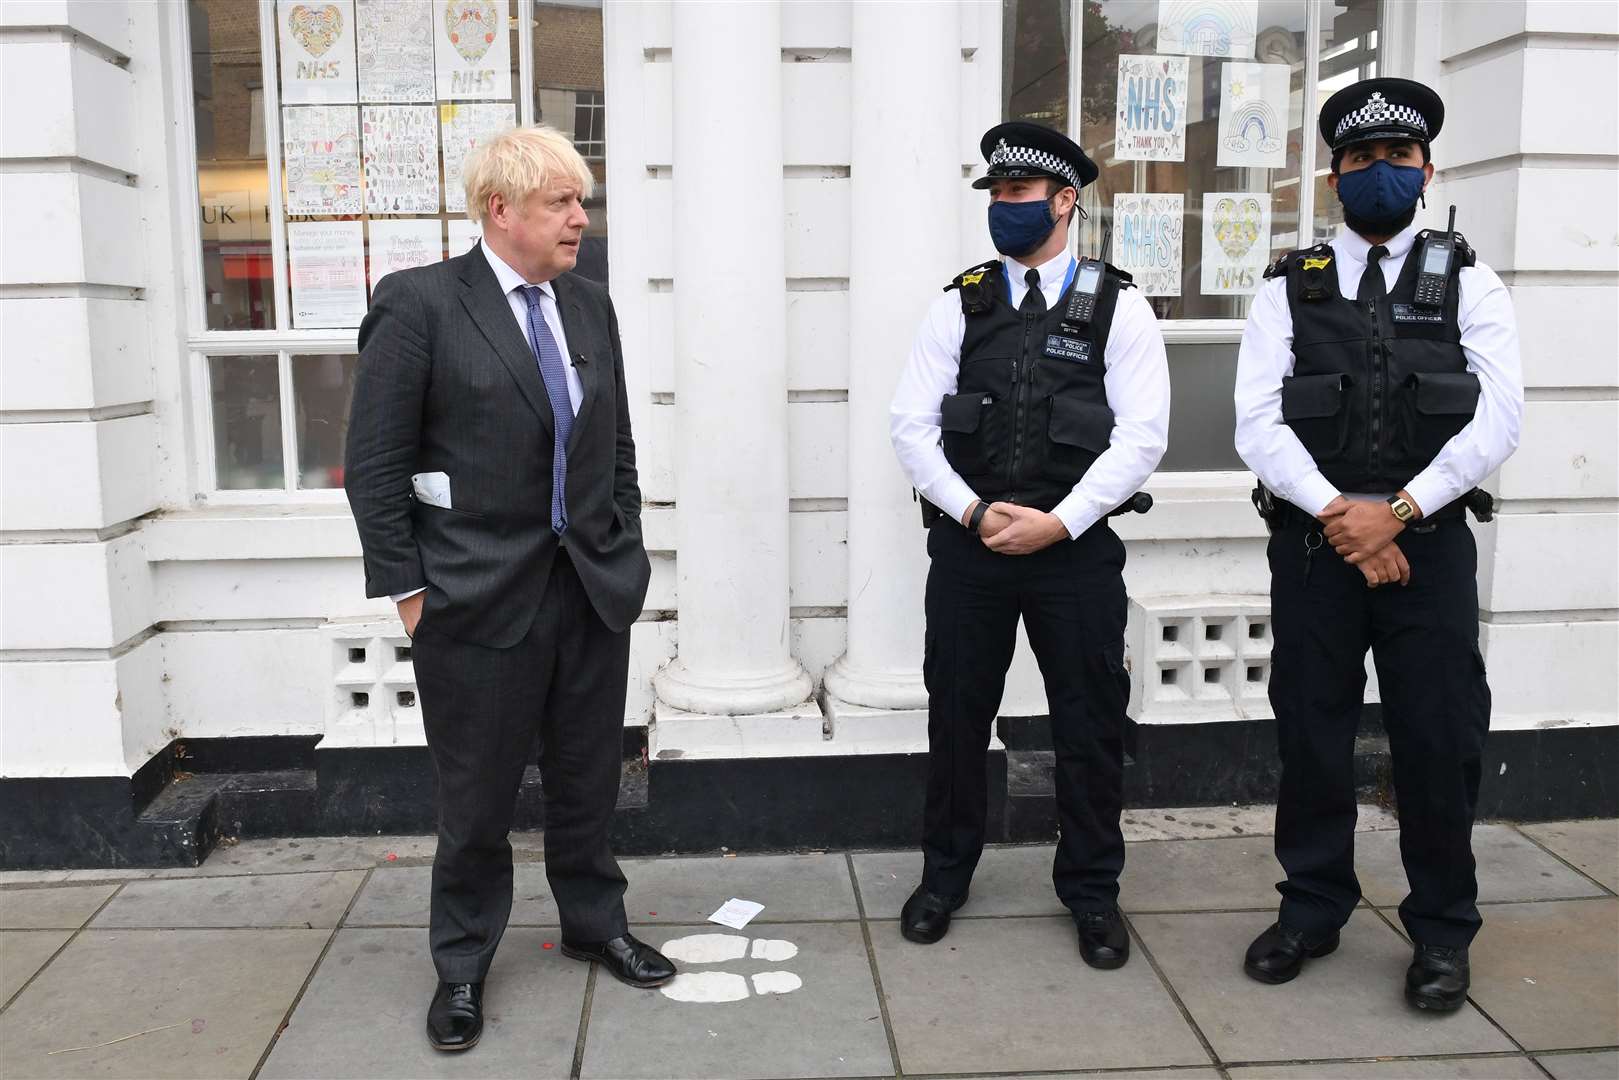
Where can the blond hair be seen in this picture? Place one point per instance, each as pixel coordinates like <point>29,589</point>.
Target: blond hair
<point>518,162</point>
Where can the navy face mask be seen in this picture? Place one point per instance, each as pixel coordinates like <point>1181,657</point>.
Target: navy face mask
<point>1381,193</point>
<point>1017,228</point>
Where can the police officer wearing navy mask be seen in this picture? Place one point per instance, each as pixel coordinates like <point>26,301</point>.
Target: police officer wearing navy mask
<point>1034,403</point>
<point>1378,382</point>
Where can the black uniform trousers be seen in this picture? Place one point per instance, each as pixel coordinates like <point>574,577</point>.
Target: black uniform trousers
<point>1071,598</point>
<point>1436,711</point>
<point>482,707</point>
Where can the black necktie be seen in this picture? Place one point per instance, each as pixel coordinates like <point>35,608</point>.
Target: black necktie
<point>1371,279</point>
<point>1034,301</point>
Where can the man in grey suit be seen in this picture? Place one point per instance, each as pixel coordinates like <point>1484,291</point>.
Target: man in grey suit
<point>492,474</point>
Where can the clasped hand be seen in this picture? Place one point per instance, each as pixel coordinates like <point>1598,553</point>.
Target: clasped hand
<point>1010,529</point>
<point>1363,533</point>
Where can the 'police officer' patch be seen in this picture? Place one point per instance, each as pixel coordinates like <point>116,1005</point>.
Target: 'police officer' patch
<point>1408,313</point>
<point>1061,347</point>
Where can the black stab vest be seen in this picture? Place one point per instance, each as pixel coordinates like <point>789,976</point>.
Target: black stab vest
<point>1030,411</point>
<point>1377,388</point>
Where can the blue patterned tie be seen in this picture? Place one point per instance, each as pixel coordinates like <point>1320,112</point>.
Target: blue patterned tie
<point>556,388</point>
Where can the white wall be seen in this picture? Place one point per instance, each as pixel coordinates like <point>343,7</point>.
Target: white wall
<point>130,612</point>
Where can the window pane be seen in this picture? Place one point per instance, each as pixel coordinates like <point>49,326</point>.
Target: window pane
<point>1261,85</point>
<point>233,186</point>
<point>1348,55</point>
<point>1034,80</point>
<point>246,394</point>
<point>569,95</point>
<point>320,393</point>
<point>1202,419</point>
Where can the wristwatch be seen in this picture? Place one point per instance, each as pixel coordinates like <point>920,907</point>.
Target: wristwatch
<point>977,517</point>
<point>1402,508</point>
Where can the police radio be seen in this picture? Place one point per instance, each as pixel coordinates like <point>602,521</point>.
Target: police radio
<point>1434,271</point>
<point>1087,284</point>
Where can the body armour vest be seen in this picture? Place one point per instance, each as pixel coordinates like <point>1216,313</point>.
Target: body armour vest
<point>1378,387</point>
<point>1030,411</point>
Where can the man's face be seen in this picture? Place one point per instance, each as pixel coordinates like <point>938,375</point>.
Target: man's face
<point>1402,152</point>
<point>543,234</point>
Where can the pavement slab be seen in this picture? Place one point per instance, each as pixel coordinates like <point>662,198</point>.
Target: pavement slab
<point>1010,880</point>
<point>1510,867</point>
<point>1593,846</point>
<point>282,855</point>
<point>23,952</point>
<point>364,1012</point>
<point>828,1025</point>
<point>688,890</point>
<point>58,908</point>
<point>1008,995</point>
<point>1200,875</point>
<point>1549,972</point>
<point>198,1003</point>
<point>1500,1067</point>
<point>312,901</point>
<point>399,896</point>
<point>1598,1065</point>
<point>1346,1005</point>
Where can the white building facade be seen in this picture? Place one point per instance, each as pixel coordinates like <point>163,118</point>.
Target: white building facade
<point>195,197</point>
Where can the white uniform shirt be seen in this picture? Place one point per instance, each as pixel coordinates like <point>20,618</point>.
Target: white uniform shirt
<point>1489,335</point>
<point>511,283</point>
<point>1136,381</point>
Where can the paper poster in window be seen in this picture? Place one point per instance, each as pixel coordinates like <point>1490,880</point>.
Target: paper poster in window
<point>394,39</point>
<point>400,144</point>
<point>472,50</point>
<point>320,152</point>
<point>1253,116</point>
<point>464,127</point>
<point>317,51</point>
<point>1147,233</point>
<point>400,244</point>
<point>463,234</point>
<point>326,264</point>
<point>1208,27</point>
<point>1236,242</point>
<point>1151,118</point>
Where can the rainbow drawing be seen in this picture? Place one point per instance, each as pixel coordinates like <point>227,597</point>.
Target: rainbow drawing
<point>1208,27</point>
<point>1254,126</point>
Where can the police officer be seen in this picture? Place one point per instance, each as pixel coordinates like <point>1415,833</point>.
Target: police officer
<point>1377,383</point>
<point>1035,401</point>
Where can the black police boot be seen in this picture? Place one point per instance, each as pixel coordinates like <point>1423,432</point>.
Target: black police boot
<point>1104,943</point>
<point>455,1018</point>
<point>1437,978</point>
<point>925,918</point>
<point>1277,955</point>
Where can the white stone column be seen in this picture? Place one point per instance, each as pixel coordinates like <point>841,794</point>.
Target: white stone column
<point>905,175</point>
<point>735,652</point>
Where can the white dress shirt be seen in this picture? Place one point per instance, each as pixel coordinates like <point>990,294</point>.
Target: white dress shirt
<point>512,283</point>
<point>1136,381</point>
<point>1489,338</point>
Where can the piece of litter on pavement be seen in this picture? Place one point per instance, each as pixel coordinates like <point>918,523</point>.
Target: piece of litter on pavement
<point>736,913</point>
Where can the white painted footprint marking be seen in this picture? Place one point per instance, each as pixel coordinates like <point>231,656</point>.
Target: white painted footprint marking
<point>717,987</point>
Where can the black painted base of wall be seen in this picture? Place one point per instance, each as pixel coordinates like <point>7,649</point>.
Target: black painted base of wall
<point>179,805</point>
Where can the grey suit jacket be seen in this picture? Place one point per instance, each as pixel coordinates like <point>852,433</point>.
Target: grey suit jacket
<point>448,383</point>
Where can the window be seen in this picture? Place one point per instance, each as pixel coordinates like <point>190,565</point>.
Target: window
<point>329,139</point>
<point>1195,112</point>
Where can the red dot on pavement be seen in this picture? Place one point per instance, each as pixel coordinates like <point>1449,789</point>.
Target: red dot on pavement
<point>652,913</point>
<point>547,945</point>
<point>392,857</point>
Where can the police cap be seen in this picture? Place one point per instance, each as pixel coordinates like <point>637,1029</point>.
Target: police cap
<point>1381,109</point>
<point>1021,149</point>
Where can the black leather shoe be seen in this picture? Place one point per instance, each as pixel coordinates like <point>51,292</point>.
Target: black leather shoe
<point>925,918</point>
<point>1437,978</point>
<point>627,959</point>
<point>455,1019</point>
<point>1103,940</point>
<point>1277,955</point>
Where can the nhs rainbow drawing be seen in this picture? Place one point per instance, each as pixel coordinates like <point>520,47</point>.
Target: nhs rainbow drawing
<point>1224,28</point>
<point>1253,116</point>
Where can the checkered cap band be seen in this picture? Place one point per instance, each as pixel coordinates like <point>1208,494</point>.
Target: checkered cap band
<point>1035,159</point>
<point>1379,112</point>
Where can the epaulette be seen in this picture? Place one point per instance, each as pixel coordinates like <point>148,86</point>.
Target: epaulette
<point>1125,279</point>
<point>1316,264</point>
<point>972,275</point>
<point>974,300</point>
